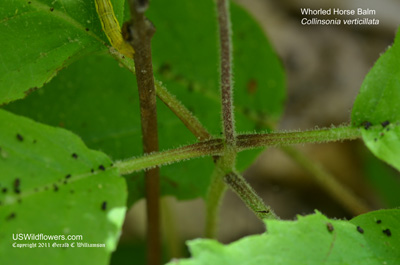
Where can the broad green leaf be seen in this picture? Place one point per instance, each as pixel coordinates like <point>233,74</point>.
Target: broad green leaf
<point>312,239</point>
<point>98,100</point>
<point>39,38</point>
<point>52,184</point>
<point>377,108</point>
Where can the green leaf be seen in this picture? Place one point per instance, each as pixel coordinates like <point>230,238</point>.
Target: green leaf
<point>52,184</point>
<point>39,38</point>
<point>98,100</point>
<point>376,108</point>
<point>312,239</point>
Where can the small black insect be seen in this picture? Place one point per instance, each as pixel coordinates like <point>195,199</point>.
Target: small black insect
<point>29,2</point>
<point>330,227</point>
<point>55,187</point>
<point>385,123</point>
<point>74,155</point>
<point>51,9</point>
<point>101,167</point>
<point>68,176</point>
<point>65,182</point>
<point>87,29</point>
<point>11,216</point>
<point>19,137</point>
<point>104,205</point>
<point>92,170</point>
<point>387,232</point>
<point>264,211</point>
<point>4,190</point>
<point>366,125</point>
<point>72,191</point>
<point>359,229</point>
<point>378,221</point>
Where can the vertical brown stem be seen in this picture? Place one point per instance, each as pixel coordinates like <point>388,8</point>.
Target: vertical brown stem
<point>141,33</point>
<point>226,71</point>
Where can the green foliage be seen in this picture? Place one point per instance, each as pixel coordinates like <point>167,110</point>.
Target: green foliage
<point>52,184</point>
<point>39,38</point>
<point>98,100</point>
<point>376,108</point>
<point>312,239</point>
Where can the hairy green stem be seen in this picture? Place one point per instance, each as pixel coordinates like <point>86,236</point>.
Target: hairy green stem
<point>250,141</point>
<point>215,147</point>
<point>239,185</point>
<point>188,119</point>
<point>206,148</point>
<point>328,182</point>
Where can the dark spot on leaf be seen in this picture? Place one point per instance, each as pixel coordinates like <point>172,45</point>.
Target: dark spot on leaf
<point>55,187</point>
<point>382,134</point>
<point>385,123</point>
<point>34,141</point>
<point>11,216</point>
<point>68,176</point>
<point>17,182</point>
<point>246,110</point>
<point>32,89</point>
<point>366,125</point>
<point>29,2</point>
<point>51,9</point>
<point>251,86</point>
<point>378,221</point>
<point>19,201</point>
<point>74,155</point>
<point>112,164</point>
<point>359,229</point>
<point>65,182</point>
<point>164,68</point>
<point>87,29</point>
<point>4,190</point>
<point>19,137</point>
<point>375,139</point>
<point>104,205</point>
<point>330,227</point>
<point>387,232</point>
<point>101,167</point>
<point>92,170</point>
<point>72,191</point>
